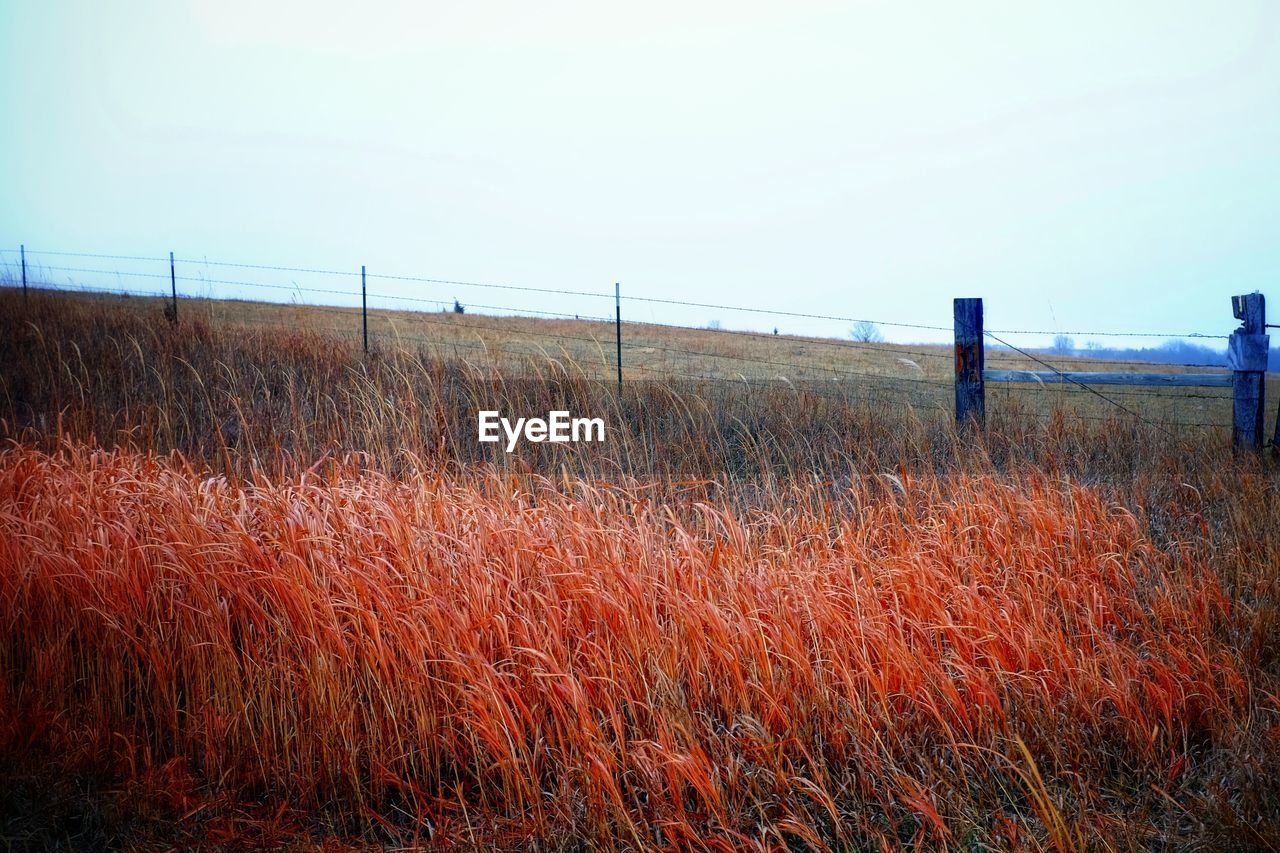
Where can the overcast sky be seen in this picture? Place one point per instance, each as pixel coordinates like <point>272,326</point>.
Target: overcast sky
<point>1082,165</point>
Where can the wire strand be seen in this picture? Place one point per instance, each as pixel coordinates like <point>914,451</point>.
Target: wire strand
<point>795,367</point>
<point>595,294</point>
<point>1067,378</point>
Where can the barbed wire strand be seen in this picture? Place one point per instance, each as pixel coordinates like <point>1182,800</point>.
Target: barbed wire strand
<point>645,299</point>
<point>564,315</point>
<point>1091,390</point>
<point>352,309</point>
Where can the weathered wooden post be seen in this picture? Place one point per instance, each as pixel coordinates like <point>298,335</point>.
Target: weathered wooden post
<point>364,309</point>
<point>1247,358</point>
<point>971,397</point>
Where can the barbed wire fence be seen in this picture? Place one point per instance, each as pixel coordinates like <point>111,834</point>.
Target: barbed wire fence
<point>851,371</point>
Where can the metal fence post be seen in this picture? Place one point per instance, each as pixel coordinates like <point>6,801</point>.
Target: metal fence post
<point>173,285</point>
<point>364,309</point>
<point>971,398</point>
<point>1247,358</point>
<point>22,250</point>
<point>617,326</point>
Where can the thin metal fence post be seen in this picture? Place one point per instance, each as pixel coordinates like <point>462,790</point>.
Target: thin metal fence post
<point>364,309</point>
<point>173,286</point>
<point>617,326</point>
<point>23,251</point>
<point>971,397</point>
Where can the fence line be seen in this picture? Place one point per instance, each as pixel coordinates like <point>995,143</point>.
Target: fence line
<point>1247,353</point>
<point>828,372</point>
<point>626,298</point>
<point>443,304</point>
<point>832,372</point>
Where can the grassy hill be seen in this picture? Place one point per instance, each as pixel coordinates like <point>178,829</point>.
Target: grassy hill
<point>916,374</point>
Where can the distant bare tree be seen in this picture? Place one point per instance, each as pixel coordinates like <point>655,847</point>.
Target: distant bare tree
<point>714,325</point>
<point>866,332</point>
<point>1063,345</point>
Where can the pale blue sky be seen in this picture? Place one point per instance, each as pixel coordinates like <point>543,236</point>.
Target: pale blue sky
<point>1082,165</point>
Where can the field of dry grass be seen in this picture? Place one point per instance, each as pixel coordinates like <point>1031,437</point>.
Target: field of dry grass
<point>918,374</point>
<point>257,588</point>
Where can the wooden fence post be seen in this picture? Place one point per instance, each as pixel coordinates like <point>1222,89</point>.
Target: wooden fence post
<point>364,309</point>
<point>971,398</point>
<point>1247,358</point>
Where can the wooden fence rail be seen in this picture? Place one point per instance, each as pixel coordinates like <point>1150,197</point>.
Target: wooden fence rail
<point>1189,380</point>
<point>1246,358</point>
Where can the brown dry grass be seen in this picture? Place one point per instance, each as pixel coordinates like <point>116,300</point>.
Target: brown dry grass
<point>298,598</point>
<point>919,373</point>
<point>112,369</point>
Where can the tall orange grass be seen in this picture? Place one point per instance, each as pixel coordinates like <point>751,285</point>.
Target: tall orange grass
<point>458,656</point>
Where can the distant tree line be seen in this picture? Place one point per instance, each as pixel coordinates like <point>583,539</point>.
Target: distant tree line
<point>1168,352</point>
